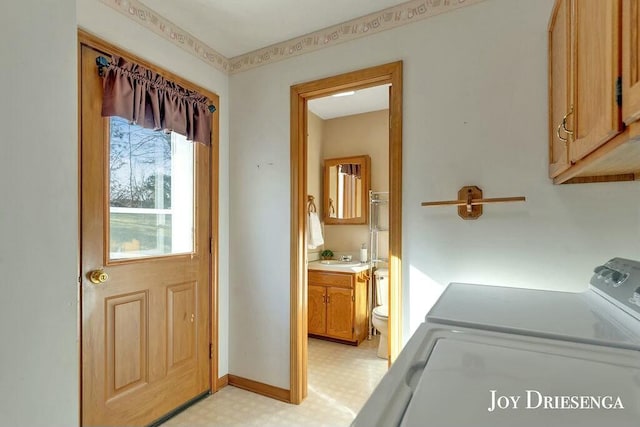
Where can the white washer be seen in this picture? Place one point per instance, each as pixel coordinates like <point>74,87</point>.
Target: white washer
<point>498,356</point>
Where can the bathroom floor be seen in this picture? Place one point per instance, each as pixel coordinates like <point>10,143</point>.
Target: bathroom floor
<point>340,377</point>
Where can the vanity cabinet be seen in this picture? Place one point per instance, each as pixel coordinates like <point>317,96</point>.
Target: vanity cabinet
<point>337,305</point>
<point>594,91</point>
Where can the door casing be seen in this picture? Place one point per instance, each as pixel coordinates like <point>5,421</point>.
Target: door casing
<point>300,94</point>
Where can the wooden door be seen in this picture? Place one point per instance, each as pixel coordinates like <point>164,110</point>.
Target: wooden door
<point>340,312</point>
<point>630,61</point>
<point>317,310</point>
<point>596,114</point>
<point>559,86</point>
<point>145,333</point>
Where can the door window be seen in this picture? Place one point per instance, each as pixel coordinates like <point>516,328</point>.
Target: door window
<point>151,187</point>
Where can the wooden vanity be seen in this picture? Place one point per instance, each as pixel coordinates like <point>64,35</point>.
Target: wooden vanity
<point>338,304</point>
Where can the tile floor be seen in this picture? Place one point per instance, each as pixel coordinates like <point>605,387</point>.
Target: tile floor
<point>341,378</point>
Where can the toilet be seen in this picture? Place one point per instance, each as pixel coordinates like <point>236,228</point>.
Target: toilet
<point>380,314</point>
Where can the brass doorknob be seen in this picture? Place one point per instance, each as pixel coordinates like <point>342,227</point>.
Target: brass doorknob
<point>98,276</point>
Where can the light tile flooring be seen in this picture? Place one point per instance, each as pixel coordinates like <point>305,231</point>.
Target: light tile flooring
<point>340,377</point>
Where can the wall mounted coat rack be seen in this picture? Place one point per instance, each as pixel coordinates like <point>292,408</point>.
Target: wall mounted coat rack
<point>470,202</point>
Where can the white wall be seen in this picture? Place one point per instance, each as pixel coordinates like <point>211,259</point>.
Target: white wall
<point>38,214</point>
<point>39,188</point>
<point>475,112</point>
<point>110,25</point>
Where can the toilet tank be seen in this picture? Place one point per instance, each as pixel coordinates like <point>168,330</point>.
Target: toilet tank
<point>381,276</point>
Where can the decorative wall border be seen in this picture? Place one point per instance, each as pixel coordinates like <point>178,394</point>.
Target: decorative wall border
<point>393,17</point>
<point>150,19</point>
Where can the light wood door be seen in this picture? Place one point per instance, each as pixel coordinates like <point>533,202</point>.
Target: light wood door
<point>596,114</point>
<point>145,333</point>
<point>340,313</point>
<point>559,86</point>
<point>630,61</point>
<point>317,310</point>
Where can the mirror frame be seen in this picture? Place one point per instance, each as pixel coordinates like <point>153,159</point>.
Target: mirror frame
<point>365,163</point>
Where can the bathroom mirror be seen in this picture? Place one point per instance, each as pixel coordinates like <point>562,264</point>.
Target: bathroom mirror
<point>346,190</point>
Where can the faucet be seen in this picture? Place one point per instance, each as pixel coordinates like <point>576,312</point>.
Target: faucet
<point>345,258</point>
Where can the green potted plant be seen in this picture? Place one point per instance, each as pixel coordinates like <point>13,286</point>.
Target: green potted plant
<point>326,254</point>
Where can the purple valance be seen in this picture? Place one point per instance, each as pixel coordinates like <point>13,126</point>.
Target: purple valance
<point>351,169</point>
<point>149,100</point>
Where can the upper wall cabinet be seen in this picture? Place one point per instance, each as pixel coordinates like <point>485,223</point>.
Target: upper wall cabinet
<point>559,86</point>
<point>596,115</point>
<point>630,61</point>
<point>589,92</point>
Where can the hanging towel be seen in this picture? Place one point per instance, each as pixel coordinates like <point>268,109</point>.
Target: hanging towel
<point>314,231</point>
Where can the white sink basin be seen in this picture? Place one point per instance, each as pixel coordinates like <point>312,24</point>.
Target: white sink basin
<point>340,263</point>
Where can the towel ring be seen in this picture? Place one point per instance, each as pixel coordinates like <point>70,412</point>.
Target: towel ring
<point>311,206</point>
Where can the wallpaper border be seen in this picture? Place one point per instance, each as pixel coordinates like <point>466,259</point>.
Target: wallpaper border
<point>393,17</point>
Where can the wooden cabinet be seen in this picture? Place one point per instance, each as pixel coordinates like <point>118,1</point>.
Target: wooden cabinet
<point>630,61</point>
<point>596,68</point>
<point>559,85</point>
<point>337,305</point>
<point>317,310</point>
<point>594,91</point>
<point>584,67</point>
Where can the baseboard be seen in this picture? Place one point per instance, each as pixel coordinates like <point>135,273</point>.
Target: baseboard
<point>260,388</point>
<point>222,382</point>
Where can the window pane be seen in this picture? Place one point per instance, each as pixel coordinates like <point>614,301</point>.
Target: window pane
<point>151,192</point>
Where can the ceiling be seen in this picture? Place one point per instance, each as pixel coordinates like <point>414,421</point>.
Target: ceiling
<point>236,27</point>
<point>362,101</point>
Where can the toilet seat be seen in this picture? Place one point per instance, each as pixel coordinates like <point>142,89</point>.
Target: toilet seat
<point>381,311</point>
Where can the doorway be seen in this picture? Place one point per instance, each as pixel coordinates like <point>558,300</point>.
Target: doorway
<point>148,209</point>
<point>389,74</point>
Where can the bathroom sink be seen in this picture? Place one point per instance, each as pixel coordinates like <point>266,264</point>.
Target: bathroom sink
<point>340,263</point>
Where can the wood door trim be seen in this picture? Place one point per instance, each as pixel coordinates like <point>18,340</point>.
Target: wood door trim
<point>214,210</point>
<point>87,39</point>
<point>390,73</point>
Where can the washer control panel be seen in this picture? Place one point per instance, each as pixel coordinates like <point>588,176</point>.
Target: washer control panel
<point>619,281</point>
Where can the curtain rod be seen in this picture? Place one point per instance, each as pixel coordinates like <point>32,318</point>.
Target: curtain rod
<point>103,62</point>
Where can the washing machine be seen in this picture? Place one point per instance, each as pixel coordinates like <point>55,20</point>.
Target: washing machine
<point>491,356</point>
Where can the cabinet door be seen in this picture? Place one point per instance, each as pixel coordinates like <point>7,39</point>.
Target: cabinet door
<point>630,61</point>
<point>340,313</point>
<point>559,86</point>
<point>596,115</point>
<point>317,311</point>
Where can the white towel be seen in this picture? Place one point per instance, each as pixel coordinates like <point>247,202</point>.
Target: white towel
<point>314,231</point>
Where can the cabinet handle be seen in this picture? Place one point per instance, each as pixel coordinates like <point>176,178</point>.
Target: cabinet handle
<point>558,133</point>
<point>328,299</point>
<point>564,122</point>
<point>563,126</point>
